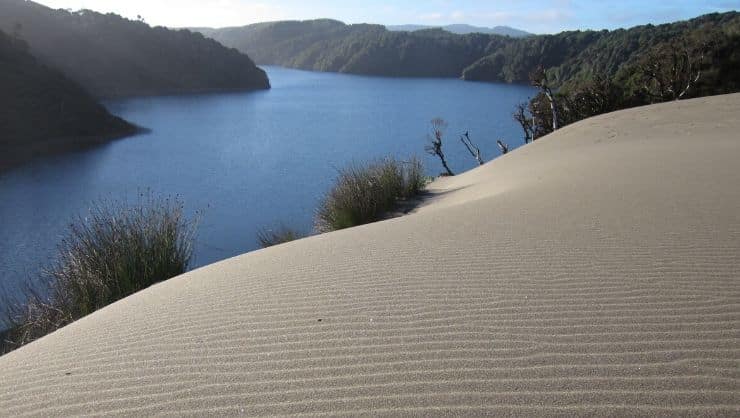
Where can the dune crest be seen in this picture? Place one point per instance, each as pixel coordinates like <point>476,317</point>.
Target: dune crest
<point>596,271</point>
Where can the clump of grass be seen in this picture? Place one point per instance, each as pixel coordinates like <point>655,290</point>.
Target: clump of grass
<point>115,251</point>
<point>414,178</point>
<point>364,193</point>
<point>280,235</point>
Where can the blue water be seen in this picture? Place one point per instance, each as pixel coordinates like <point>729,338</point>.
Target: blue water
<point>247,160</point>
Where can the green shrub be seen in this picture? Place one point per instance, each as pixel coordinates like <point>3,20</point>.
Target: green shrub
<point>414,177</point>
<point>364,193</point>
<point>115,251</point>
<point>280,235</point>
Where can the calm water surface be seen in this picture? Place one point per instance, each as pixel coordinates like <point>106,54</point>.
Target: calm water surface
<point>247,160</point>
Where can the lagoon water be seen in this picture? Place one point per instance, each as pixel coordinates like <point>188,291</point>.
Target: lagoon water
<point>247,161</point>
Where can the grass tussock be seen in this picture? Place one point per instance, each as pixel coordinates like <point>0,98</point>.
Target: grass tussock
<point>280,235</point>
<point>115,251</point>
<point>365,193</point>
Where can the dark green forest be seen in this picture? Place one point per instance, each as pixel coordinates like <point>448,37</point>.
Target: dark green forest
<point>328,45</point>
<point>579,55</point>
<point>111,56</point>
<point>640,66</point>
<point>42,111</point>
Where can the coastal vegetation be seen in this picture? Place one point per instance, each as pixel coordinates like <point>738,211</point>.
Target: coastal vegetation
<point>114,251</point>
<point>366,193</point>
<point>679,68</point>
<point>111,56</point>
<point>268,237</point>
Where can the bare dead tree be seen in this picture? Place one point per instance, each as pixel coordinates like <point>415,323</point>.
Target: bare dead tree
<point>435,142</point>
<point>539,79</point>
<point>670,71</point>
<point>527,123</point>
<point>474,151</point>
<point>503,147</point>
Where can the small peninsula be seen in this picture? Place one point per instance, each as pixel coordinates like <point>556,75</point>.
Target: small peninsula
<point>43,112</point>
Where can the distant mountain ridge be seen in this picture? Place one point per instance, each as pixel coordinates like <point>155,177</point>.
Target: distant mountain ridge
<point>463,29</point>
<point>111,56</point>
<point>330,45</point>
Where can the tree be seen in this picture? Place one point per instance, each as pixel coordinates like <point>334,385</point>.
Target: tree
<point>526,122</point>
<point>503,147</point>
<point>670,70</point>
<point>474,150</point>
<point>435,142</point>
<point>593,97</point>
<point>538,78</point>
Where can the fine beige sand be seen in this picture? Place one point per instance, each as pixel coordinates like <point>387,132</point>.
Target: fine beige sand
<point>596,271</point>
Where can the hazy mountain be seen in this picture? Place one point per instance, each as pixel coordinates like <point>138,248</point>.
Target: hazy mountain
<point>42,111</point>
<point>462,29</point>
<point>113,56</point>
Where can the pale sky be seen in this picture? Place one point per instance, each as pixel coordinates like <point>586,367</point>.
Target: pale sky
<point>538,16</point>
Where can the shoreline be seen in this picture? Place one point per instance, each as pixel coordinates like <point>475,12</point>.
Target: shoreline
<point>181,92</point>
<point>16,158</point>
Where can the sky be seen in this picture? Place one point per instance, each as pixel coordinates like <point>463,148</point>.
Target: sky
<point>537,16</point>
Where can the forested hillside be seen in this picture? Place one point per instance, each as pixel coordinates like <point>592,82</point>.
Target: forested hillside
<point>327,45</point>
<point>113,56</point>
<point>42,111</point>
<point>572,56</point>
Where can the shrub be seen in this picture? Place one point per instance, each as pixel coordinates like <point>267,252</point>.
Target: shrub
<point>280,235</point>
<point>414,178</point>
<point>364,193</point>
<point>115,251</point>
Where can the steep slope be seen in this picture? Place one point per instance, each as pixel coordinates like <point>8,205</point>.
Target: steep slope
<point>112,56</point>
<point>593,272</point>
<point>42,111</point>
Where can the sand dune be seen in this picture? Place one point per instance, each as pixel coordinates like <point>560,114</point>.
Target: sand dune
<point>596,271</point>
